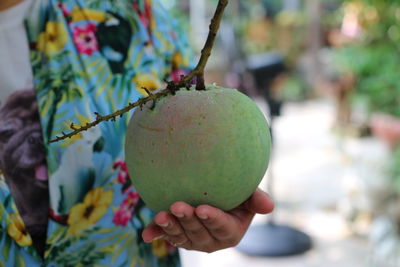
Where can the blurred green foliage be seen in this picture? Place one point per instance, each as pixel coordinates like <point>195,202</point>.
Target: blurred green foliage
<point>376,69</point>
<point>375,57</point>
<point>294,88</point>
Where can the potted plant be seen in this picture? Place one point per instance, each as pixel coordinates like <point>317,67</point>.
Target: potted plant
<point>374,60</point>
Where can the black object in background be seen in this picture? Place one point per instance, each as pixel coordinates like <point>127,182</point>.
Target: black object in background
<point>271,239</point>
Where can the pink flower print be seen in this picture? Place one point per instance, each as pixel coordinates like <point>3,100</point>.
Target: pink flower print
<point>125,211</point>
<point>121,164</point>
<point>133,197</point>
<point>64,9</point>
<point>176,75</point>
<point>122,216</point>
<point>85,39</point>
<point>123,175</point>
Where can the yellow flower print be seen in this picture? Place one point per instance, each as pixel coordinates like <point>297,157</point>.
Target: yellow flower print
<point>177,60</point>
<point>159,248</point>
<point>81,120</point>
<point>85,214</point>
<point>53,39</point>
<point>146,80</point>
<point>79,14</point>
<point>16,229</point>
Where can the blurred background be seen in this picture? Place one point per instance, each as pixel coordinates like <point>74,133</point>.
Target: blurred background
<point>326,75</point>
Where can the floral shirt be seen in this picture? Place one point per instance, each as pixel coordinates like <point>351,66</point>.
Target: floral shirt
<point>74,199</point>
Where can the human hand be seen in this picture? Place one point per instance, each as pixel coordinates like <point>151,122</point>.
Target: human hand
<point>206,228</point>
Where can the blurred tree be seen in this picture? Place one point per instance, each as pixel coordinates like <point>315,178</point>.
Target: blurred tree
<point>374,54</point>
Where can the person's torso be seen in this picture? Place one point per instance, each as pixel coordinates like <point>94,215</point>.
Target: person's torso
<point>85,57</point>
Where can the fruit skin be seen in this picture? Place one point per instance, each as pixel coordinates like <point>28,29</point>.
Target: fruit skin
<point>202,147</point>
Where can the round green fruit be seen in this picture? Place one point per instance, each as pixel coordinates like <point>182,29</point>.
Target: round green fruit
<point>202,147</point>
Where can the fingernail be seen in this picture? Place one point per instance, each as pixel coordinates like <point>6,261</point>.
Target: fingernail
<point>203,216</point>
<point>157,238</point>
<point>179,244</point>
<point>179,215</point>
<point>166,224</point>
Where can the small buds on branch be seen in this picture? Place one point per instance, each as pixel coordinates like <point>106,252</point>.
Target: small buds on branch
<point>99,118</point>
<point>147,90</point>
<point>172,87</point>
<point>97,115</point>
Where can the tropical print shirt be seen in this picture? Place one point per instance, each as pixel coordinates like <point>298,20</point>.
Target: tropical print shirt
<point>74,199</point>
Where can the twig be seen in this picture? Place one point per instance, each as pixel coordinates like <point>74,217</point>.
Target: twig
<point>120,112</point>
<point>172,87</point>
<point>206,51</point>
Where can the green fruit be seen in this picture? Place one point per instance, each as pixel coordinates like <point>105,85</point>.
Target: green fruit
<point>202,147</point>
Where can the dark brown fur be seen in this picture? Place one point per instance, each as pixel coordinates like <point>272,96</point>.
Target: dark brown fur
<point>21,150</point>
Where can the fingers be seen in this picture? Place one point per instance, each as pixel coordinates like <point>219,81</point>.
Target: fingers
<point>172,228</point>
<point>221,226</point>
<point>152,232</point>
<point>194,229</point>
<point>259,202</point>
<point>231,226</point>
<point>206,228</point>
<point>181,228</point>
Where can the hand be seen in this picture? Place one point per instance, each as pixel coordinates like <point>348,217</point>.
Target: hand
<point>206,228</point>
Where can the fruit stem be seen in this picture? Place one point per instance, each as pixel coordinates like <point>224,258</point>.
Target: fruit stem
<point>198,71</point>
<point>172,87</point>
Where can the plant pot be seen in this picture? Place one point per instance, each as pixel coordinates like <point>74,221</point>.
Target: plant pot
<point>387,128</point>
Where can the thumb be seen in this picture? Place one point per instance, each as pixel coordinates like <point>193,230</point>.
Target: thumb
<point>259,202</point>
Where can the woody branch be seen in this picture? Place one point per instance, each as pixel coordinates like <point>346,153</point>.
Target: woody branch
<point>197,72</point>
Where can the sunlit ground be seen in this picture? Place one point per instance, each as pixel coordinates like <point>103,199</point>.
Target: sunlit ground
<point>317,190</point>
